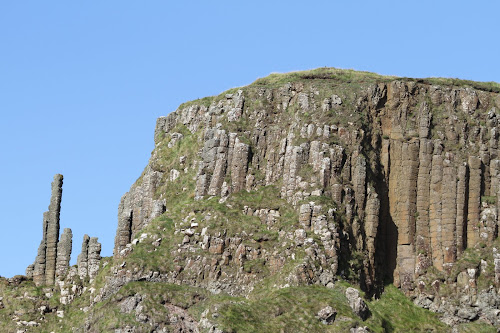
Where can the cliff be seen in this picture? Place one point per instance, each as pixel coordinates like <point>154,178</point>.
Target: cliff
<point>408,168</point>
<point>307,183</point>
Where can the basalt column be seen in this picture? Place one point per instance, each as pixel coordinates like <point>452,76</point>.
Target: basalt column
<point>83,257</point>
<point>53,229</point>
<point>124,231</point>
<point>403,205</point>
<point>435,206</point>
<point>89,259</point>
<point>40,261</point>
<point>44,268</point>
<point>474,201</point>
<point>449,213</point>
<point>64,253</point>
<point>94,254</point>
<point>423,245</point>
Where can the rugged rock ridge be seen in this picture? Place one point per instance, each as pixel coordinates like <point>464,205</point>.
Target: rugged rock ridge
<point>411,166</point>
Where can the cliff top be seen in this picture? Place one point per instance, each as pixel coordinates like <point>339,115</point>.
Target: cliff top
<point>348,76</point>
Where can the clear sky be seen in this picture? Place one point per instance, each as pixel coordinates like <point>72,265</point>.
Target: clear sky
<point>82,83</point>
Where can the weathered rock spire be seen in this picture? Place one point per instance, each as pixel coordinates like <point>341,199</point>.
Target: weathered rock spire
<point>53,229</point>
<point>53,256</point>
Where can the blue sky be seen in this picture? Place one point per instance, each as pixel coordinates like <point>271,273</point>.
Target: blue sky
<point>82,83</point>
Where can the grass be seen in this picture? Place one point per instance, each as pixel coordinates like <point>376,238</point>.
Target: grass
<point>344,76</point>
<point>267,309</point>
<point>294,309</point>
<point>397,313</point>
<point>333,74</point>
<point>489,199</point>
<point>485,86</point>
<point>476,327</point>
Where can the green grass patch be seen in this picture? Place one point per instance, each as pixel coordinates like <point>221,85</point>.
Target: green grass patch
<point>489,199</point>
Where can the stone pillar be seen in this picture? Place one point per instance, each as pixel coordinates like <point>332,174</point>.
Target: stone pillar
<point>359,182</point>
<point>408,208</point>
<point>218,158</point>
<point>94,257</point>
<point>239,165</point>
<point>82,260</point>
<point>29,271</point>
<point>53,229</point>
<point>474,206</point>
<point>40,260</point>
<point>495,176</point>
<point>449,214</point>
<point>44,267</point>
<point>484,155</point>
<point>423,194</point>
<point>64,253</point>
<point>89,259</point>
<point>293,161</point>
<point>124,230</point>
<point>371,227</point>
<point>305,214</point>
<point>403,177</point>
<point>435,206</point>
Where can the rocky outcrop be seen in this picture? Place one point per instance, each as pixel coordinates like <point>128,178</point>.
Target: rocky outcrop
<point>82,260</point>
<point>44,269</point>
<point>223,153</point>
<point>356,303</point>
<point>137,208</point>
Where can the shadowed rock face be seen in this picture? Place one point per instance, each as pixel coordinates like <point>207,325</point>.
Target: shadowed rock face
<point>408,164</point>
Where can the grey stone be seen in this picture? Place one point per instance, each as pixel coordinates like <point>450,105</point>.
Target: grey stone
<point>356,303</point>
<point>468,313</point>
<point>327,315</point>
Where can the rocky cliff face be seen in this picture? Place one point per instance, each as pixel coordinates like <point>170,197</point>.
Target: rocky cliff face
<point>399,175</point>
<point>413,166</point>
<point>303,179</point>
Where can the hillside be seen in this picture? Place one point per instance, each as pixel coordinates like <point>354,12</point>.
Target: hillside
<point>328,200</point>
